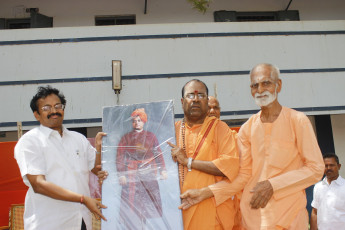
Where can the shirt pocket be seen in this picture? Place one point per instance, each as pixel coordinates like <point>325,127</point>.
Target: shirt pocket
<point>81,160</point>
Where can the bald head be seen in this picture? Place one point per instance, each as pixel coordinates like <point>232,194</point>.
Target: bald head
<point>213,107</point>
<point>274,70</point>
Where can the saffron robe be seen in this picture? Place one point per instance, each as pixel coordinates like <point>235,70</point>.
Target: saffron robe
<point>284,152</point>
<point>220,148</point>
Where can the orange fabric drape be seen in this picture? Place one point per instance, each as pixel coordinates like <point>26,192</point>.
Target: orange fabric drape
<point>198,179</point>
<point>213,149</point>
<point>12,188</point>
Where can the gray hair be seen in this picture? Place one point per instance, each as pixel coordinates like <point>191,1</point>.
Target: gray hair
<point>275,72</point>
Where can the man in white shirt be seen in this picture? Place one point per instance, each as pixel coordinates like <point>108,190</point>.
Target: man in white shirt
<point>55,163</point>
<point>329,198</point>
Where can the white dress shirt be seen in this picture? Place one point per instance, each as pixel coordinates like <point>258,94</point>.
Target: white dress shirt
<point>66,162</point>
<point>329,200</point>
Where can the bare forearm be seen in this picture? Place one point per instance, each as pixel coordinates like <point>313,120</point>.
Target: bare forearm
<point>56,192</point>
<point>98,165</point>
<point>98,158</point>
<point>207,167</point>
<point>313,220</point>
<point>46,188</point>
<point>98,146</point>
<point>206,193</point>
<point>194,196</point>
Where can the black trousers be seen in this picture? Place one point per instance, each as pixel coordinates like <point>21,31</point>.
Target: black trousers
<point>83,226</point>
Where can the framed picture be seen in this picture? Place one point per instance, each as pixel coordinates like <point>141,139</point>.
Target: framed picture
<point>95,188</point>
<point>142,189</point>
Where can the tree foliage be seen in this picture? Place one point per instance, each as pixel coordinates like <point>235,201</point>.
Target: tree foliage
<point>200,5</point>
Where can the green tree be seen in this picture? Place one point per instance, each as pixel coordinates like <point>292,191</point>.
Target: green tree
<point>200,5</point>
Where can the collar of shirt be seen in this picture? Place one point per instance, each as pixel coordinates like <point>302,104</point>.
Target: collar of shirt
<point>48,131</point>
<point>339,181</point>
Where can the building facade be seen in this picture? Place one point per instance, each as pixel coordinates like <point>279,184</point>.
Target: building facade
<point>161,45</point>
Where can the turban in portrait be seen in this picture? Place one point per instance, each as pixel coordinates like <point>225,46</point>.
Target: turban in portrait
<point>141,113</point>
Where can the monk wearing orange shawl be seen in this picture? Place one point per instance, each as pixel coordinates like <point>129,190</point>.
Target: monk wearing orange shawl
<point>280,157</point>
<point>207,153</point>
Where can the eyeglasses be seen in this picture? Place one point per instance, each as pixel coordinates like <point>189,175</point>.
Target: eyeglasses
<point>48,108</point>
<point>199,95</point>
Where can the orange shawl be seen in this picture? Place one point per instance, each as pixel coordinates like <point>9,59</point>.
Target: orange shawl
<point>204,214</point>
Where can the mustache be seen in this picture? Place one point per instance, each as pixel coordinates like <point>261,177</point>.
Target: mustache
<point>53,114</point>
<point>195,103</point>
<point>266,93</point>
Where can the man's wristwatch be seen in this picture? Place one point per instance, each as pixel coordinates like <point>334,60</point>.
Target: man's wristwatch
<point>189,165</point>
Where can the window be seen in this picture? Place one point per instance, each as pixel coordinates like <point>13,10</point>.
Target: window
<point>82,130</point>
<point>234,16</point>
<point>36,20</point>
<point>21,23</point>
<point>115,20</point>
<point>255,16</point>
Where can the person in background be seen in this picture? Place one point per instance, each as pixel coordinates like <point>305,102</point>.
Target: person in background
<point>213,107</point>
<point>329,198</point>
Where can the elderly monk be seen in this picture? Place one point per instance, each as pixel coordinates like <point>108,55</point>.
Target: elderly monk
<point>213,107</point>
<point>280,157</point>
<point>138,161</point>
<point>207,153</point>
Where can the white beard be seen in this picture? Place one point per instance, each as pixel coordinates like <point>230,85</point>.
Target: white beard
<point>265,101</point>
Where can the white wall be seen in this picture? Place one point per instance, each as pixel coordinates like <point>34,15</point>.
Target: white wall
<point>171,56</point>
<point>82,12</point>
<point>338,127</point>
